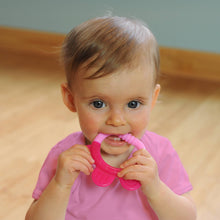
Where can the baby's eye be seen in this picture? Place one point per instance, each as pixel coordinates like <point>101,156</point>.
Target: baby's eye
<point>98,104</point>
<point>133,104</point>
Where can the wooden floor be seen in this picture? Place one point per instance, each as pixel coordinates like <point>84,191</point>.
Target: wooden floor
<point>33,119</point>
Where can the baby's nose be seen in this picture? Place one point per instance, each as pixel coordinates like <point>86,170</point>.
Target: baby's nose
<point>116,119</point>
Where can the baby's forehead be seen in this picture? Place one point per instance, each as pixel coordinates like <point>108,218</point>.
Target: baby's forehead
<point>124,73</point>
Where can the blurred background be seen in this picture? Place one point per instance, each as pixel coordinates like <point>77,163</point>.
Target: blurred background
<point>191,24</point>
<point>33,118</point>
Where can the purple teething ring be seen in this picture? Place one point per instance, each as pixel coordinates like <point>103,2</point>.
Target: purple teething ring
<point>104,174</point>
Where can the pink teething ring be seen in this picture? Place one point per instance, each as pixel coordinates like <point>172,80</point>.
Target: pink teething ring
<point>104,174</point>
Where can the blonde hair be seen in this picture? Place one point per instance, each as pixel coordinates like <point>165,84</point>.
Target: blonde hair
<point>107,44</point>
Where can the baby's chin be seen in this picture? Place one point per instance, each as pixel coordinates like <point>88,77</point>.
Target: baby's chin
<point>115,150</point>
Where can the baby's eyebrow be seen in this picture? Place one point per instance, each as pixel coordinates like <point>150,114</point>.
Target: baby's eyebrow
<point>139,98</point>
<point>143,99</point>
<point>92,97</point>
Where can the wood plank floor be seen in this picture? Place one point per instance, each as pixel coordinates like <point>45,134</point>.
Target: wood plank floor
<point>33,119</point>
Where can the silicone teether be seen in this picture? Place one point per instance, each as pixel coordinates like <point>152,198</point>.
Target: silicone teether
<point>104,174</point>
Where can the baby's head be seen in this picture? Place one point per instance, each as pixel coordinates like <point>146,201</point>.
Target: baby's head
<point>112,66</point>
<point>104,45</point>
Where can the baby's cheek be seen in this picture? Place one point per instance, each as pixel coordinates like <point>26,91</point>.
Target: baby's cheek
<point>89,126</point>
<point>139,126</point>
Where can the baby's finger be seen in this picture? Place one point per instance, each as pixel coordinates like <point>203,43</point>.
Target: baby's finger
<point>142,152</point>
<point>133,176</point>
<point>138,159</point>
<point>82,160</point>
<point>132,172</point>
<point>78,166</point>
<point>86,155</point>
<point>80,147</point>
<point>83,151</point>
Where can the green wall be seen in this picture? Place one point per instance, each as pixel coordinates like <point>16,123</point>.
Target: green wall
<point>188,24</point>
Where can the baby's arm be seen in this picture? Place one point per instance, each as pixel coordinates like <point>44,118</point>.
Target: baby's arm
<point>53,202</point>
<point>166,204</point>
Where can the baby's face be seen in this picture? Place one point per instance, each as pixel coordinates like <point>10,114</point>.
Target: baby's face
<point>115,104</point>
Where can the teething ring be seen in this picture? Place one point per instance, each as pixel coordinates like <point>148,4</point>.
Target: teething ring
<point>104,174</point>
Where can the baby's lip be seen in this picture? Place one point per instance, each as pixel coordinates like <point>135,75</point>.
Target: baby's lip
<point>118,134</point>
<point>114,140</point>
<point>114,137</point>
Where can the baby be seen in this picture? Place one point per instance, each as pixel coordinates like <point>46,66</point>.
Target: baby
<point>112,67</point>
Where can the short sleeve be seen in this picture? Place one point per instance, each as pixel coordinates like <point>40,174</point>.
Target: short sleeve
<point>171,170</point>
<point>46,173</point>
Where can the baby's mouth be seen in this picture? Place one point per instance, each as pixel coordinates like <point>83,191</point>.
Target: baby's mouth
<point>114,140</point>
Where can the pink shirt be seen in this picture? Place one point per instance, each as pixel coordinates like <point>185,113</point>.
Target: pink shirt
<point>90,202</point>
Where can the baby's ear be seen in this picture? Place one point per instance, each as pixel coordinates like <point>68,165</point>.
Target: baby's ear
<point>68,98</point>
<point>155,95</point>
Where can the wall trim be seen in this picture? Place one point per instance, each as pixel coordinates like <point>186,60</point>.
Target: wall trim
<point>43,45</point>
<point>190,64</point>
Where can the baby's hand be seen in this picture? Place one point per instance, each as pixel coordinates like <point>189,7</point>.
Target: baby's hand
<point>142,167</point>
<point>71,162</point>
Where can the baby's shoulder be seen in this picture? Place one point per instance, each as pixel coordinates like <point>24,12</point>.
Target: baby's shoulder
<point>67,142</point>
<point>153,139</point>
<point>158,146</point>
